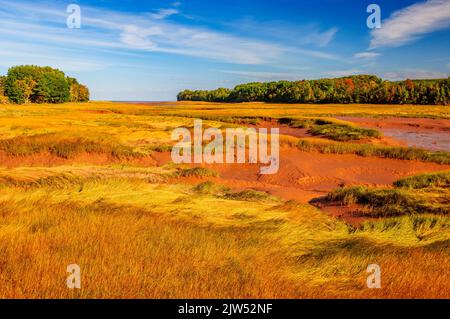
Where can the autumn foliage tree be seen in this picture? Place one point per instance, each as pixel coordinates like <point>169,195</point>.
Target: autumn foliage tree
<point>3,98</point>
<point>351,89</point>
<point>78,92</point>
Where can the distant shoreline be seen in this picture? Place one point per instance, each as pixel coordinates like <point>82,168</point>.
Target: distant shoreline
<point>139,102</point>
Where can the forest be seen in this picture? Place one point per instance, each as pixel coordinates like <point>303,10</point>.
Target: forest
<point>35,84</point>
<point>363,89</point>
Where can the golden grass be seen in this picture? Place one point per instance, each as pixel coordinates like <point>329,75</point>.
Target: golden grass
<point>138,232</point>
<point>133,239</point>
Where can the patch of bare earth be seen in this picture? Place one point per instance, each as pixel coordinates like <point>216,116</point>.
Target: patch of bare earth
<point>303,176</point>
<point>430,134</point>
<point>306,177</point>
<point>351,214</point>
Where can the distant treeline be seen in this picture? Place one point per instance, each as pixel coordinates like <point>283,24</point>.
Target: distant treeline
<point>35,84</point>
<point>351,89</point>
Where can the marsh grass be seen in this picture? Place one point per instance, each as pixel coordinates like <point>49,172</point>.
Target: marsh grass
<point>416,195</point>
<point>211,188</point>
<point>439,179</point>
<point>343,132</point>
<point>249,195</point>
<point>365,150</point>
<point>136,240</point>
<point>161,148</point>
<point>55,181</point>
<point>333,129</point>
<point>64,148</point>
<point>236,120</point>
<point>196,172</point>
<point>391,202</point>
<point>138,232</point>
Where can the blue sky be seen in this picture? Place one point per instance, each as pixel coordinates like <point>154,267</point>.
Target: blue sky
<point>150,50</point>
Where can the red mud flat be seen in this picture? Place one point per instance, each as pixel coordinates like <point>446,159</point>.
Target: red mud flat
<point>351,214</point>
<point>430,134</point>
<point>303,132</point>
<point>303,176</point>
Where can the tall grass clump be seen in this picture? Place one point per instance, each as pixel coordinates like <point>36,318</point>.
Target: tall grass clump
<point>249,195</point>
<point>391,202</point>
<point>439,179</point>
<point>331,128</point>
<point>343,132</point>
<point>210,187</point>
<point>196,172</point>
<point>54,181</point>
<point>365,150</point>
<point>62,147</point>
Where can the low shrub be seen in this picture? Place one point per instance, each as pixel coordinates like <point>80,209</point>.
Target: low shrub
<point>196,172</point>
<point>440,179</point>
<point>391,202</point>
<point>249,195</point>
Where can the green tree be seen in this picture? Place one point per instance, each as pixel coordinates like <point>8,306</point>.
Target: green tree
<point>30,83</point>
<point>351,89</point>
<point>3,98</point>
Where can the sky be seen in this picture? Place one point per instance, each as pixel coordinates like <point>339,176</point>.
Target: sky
<point>130,50</point>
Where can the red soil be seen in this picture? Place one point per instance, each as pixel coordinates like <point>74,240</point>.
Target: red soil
<point>412,124</point>
<point>431,134</point>
<point>304,176</point>
<point>346,213</point>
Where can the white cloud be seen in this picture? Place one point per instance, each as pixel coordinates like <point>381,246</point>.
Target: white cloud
<point>302,35</point>
<point>122,32</point>
<point>106,28</point>
<point>323,38</point>
<point>413,74</point>
<point>411,23</point>
<point>341,73</point>
<point>264,76</point>
<point>138,38</point>
<point>163,13</point>
<point>366,55</point>
<point>316,54</point>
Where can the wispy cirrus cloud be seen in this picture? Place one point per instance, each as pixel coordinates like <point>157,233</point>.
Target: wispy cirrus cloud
<point>413,74</point>
<point>411,23</point>
<point>163,13</point>
<point>265,75</point>
<point>310,34</point>
<point>149,32</point>
<point>341,73</point>
<point>366,55</point>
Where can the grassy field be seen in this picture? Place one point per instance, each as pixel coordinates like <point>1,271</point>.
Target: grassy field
<point>81,183</point>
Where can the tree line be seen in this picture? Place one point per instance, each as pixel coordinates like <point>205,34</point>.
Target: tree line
<point>35,84</point>
<point>352,89</point>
